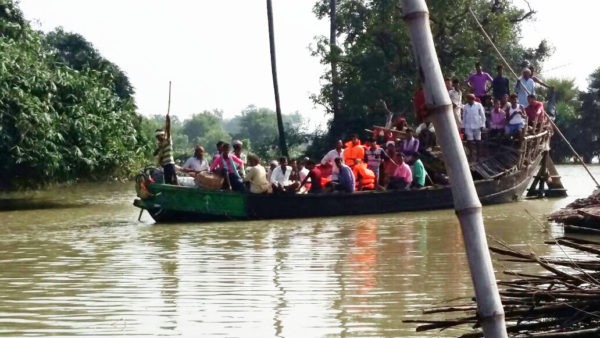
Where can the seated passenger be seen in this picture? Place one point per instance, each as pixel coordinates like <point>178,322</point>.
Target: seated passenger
<point>280,177</point>
<point>409,144</point>
<point>364,177</point>
<point>196,163</point>
<point>330,157</point>
<point>257,176</point>
<point>390,163</point>
<point>313,176</point>
<point>426,135</point>
<point>418,171</point>
<point>345,181</point>
<point>402,177</point>
<point>227,165</point>
<point>272,165</point>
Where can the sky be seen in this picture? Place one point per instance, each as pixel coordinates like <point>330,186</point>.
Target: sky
<point>216,53</point>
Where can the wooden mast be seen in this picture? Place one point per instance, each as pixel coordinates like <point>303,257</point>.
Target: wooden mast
<point>282,143</point>
<point>466,202</point>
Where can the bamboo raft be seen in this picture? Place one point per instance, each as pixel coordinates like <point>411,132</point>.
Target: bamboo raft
<point>564,301</point>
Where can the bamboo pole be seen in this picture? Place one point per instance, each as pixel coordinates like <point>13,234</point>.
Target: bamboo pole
<point>554,126</point>
<point>282,143</point>
<point>169,103</point>
<point>466,201</point>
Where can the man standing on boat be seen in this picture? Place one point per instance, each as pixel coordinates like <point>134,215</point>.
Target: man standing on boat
<point>164,152</point>
<point>456,98</point>
<point>354,150</point>
<point>478,82</point>
<point>500,84</point>
<point>473,124</point>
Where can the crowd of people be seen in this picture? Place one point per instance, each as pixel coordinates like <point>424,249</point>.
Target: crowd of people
<point>390,159</point>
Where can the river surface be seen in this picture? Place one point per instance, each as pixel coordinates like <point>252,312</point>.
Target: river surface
<point>79,263</point>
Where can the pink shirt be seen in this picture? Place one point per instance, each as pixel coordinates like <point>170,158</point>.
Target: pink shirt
<point>218,163</point>
<point>498,119</point>
<point>403,171</point>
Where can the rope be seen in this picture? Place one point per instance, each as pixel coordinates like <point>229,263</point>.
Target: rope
<point>554,126</point>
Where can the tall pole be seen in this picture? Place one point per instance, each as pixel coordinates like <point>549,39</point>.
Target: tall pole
<point>466,201</point>
<point>333,55</point>
<point>282,143</point>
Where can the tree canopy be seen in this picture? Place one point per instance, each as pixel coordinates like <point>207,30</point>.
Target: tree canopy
<point>374,54</point>
<point>59,123</point>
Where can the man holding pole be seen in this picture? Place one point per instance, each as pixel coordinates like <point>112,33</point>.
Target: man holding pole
<point>164,152</point>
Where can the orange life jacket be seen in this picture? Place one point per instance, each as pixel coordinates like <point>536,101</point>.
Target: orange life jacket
<point>364,176</point>
<point>352,152</point>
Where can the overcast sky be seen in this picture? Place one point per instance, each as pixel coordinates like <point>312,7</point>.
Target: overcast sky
<point>216,53</point>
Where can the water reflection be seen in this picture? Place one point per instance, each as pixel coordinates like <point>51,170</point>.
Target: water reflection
<point>95,270</point>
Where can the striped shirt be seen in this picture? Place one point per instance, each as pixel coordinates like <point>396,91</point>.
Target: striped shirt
<point>165,152</point>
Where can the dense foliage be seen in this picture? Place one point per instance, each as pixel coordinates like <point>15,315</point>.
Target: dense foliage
<point>581,126</point>
<point>60,121</point>
<point>374,54</point>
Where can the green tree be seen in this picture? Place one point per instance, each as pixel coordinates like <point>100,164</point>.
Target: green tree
<point>568,107</point>
<point>58,124</point>
<point>205,129</point>
<point>74,51</point>
<point>375,55</point>
<point>587,142</point>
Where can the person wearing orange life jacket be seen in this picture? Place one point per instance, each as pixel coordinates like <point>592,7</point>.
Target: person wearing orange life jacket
<point>354,150</point>
<point>364,177</point>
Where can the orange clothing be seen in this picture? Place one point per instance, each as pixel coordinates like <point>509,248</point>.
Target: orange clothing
<point>352,152</point>
<point>364,176</point>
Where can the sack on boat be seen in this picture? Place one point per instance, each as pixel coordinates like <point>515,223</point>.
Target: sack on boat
<point>209,181</point>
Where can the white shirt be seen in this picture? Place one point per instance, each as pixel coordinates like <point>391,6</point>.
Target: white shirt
<point>278,176</point>
<point>424,126</point>
<point>331,155</point>
<point>473,116</point>
<point>517,118</point>
<point>196,164</point>
<point>530,85</point>
<point>330,158</point>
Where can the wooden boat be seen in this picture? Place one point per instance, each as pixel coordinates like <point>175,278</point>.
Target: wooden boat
<point>499,178</point>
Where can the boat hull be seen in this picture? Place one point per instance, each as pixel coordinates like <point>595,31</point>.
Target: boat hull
<point>187,204</point>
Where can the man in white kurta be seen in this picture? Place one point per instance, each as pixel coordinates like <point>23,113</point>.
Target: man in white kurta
<point>473,123</point>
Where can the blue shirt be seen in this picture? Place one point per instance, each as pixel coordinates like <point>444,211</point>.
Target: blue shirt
<point>346,178</point>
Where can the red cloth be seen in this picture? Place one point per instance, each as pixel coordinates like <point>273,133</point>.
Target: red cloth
<point>535,112</point>
<point>419,105</point>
